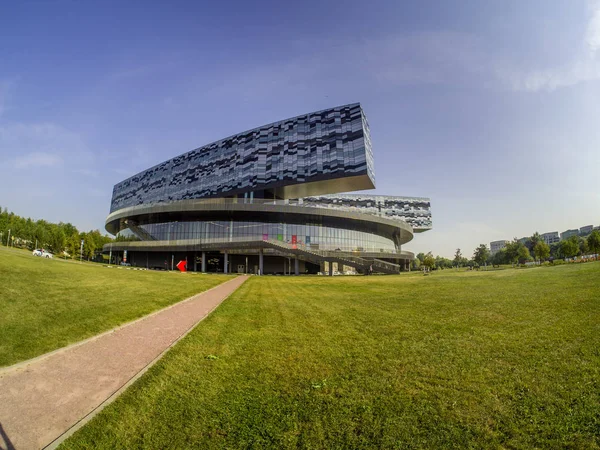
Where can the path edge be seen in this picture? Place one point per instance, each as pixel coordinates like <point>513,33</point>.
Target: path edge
<point>89,416</point>
<point>23,364</point>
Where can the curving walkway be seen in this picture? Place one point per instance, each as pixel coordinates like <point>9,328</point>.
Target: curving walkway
<point>46,400</point>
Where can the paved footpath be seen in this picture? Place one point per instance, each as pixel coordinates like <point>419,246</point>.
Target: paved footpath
<point>41,401</point>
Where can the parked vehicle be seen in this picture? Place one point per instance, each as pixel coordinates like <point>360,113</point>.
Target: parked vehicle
<point>42,253</point>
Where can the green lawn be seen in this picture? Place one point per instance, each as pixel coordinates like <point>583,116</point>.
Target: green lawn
<point>503,359</point>
<point>46,304</point>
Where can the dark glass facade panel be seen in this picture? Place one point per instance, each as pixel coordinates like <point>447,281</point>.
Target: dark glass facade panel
<point>323,145</point>
<point>416,211</point>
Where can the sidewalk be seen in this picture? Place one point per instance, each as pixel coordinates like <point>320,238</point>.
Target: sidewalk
<point>41,401</point>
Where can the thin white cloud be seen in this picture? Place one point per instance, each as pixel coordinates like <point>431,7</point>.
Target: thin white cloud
<point>584,67</point>
<point>132,72</point>
<point>48,174</point>
<point>419,58</point>
<point>43,145</point>
<point>593,30</point>
<point>37,159</point>
<point>440,57</point>
<point>552,79</point>
<point>430,57</point>
<point>99,193</point>
<point>403,59</point>
<point>87,173</point>
<point>160,63</point>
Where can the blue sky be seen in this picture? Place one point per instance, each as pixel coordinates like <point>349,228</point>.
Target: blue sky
<point>491,109</point>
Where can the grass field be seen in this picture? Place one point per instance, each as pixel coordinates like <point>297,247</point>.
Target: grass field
<point>504,359</point>
<point>46,304</point>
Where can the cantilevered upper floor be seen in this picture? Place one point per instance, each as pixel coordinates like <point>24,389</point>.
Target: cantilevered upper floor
<point>318,153</point>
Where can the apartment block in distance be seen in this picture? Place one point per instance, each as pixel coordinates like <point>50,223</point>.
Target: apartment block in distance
<point>550,238</point>
<point>496,246</point>
<point>569,233</point>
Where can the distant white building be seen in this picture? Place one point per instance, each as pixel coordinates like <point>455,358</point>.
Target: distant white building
<point>550,238</point>
<point>569,233</point>
<point>584,231</point>
<point>496,246</point>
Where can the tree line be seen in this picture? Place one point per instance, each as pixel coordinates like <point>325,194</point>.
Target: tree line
<point>59,237</point>
<point>535,249</point>
<point>516,252</point>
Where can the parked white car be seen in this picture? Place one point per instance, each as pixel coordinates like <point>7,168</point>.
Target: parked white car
<point>43,253</point>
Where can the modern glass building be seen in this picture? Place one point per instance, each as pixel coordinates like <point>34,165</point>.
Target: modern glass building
<point>268,200</point>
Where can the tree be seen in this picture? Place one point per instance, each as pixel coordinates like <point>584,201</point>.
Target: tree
<point>532,242</point>
<point>56,239</point>
<point>541,251</point>
<point>523,254</point>
<point>457,257</point>
<point>512,251</point>
<point>500,257</point>
<point>421,257</point>
<point>583,246</point>
<point>416,264</point>
<point>41,234</point>
<point>569,247</point>
<point>442,263</point>
<point>593,242</point>
<point>73,245</point>
<point>555,250</point>
<point>429,261</point>
<point>481,255</point>
<point>67,228</point>
<point>89,244</point>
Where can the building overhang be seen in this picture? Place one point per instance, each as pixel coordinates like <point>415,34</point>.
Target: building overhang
<point>235,209</point>
<point>326,185</point>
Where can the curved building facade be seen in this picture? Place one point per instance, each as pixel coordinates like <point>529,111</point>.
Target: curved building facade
<point>268,200</point>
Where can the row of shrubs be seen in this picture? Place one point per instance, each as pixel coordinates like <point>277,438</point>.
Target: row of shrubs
<point>560,262</point>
